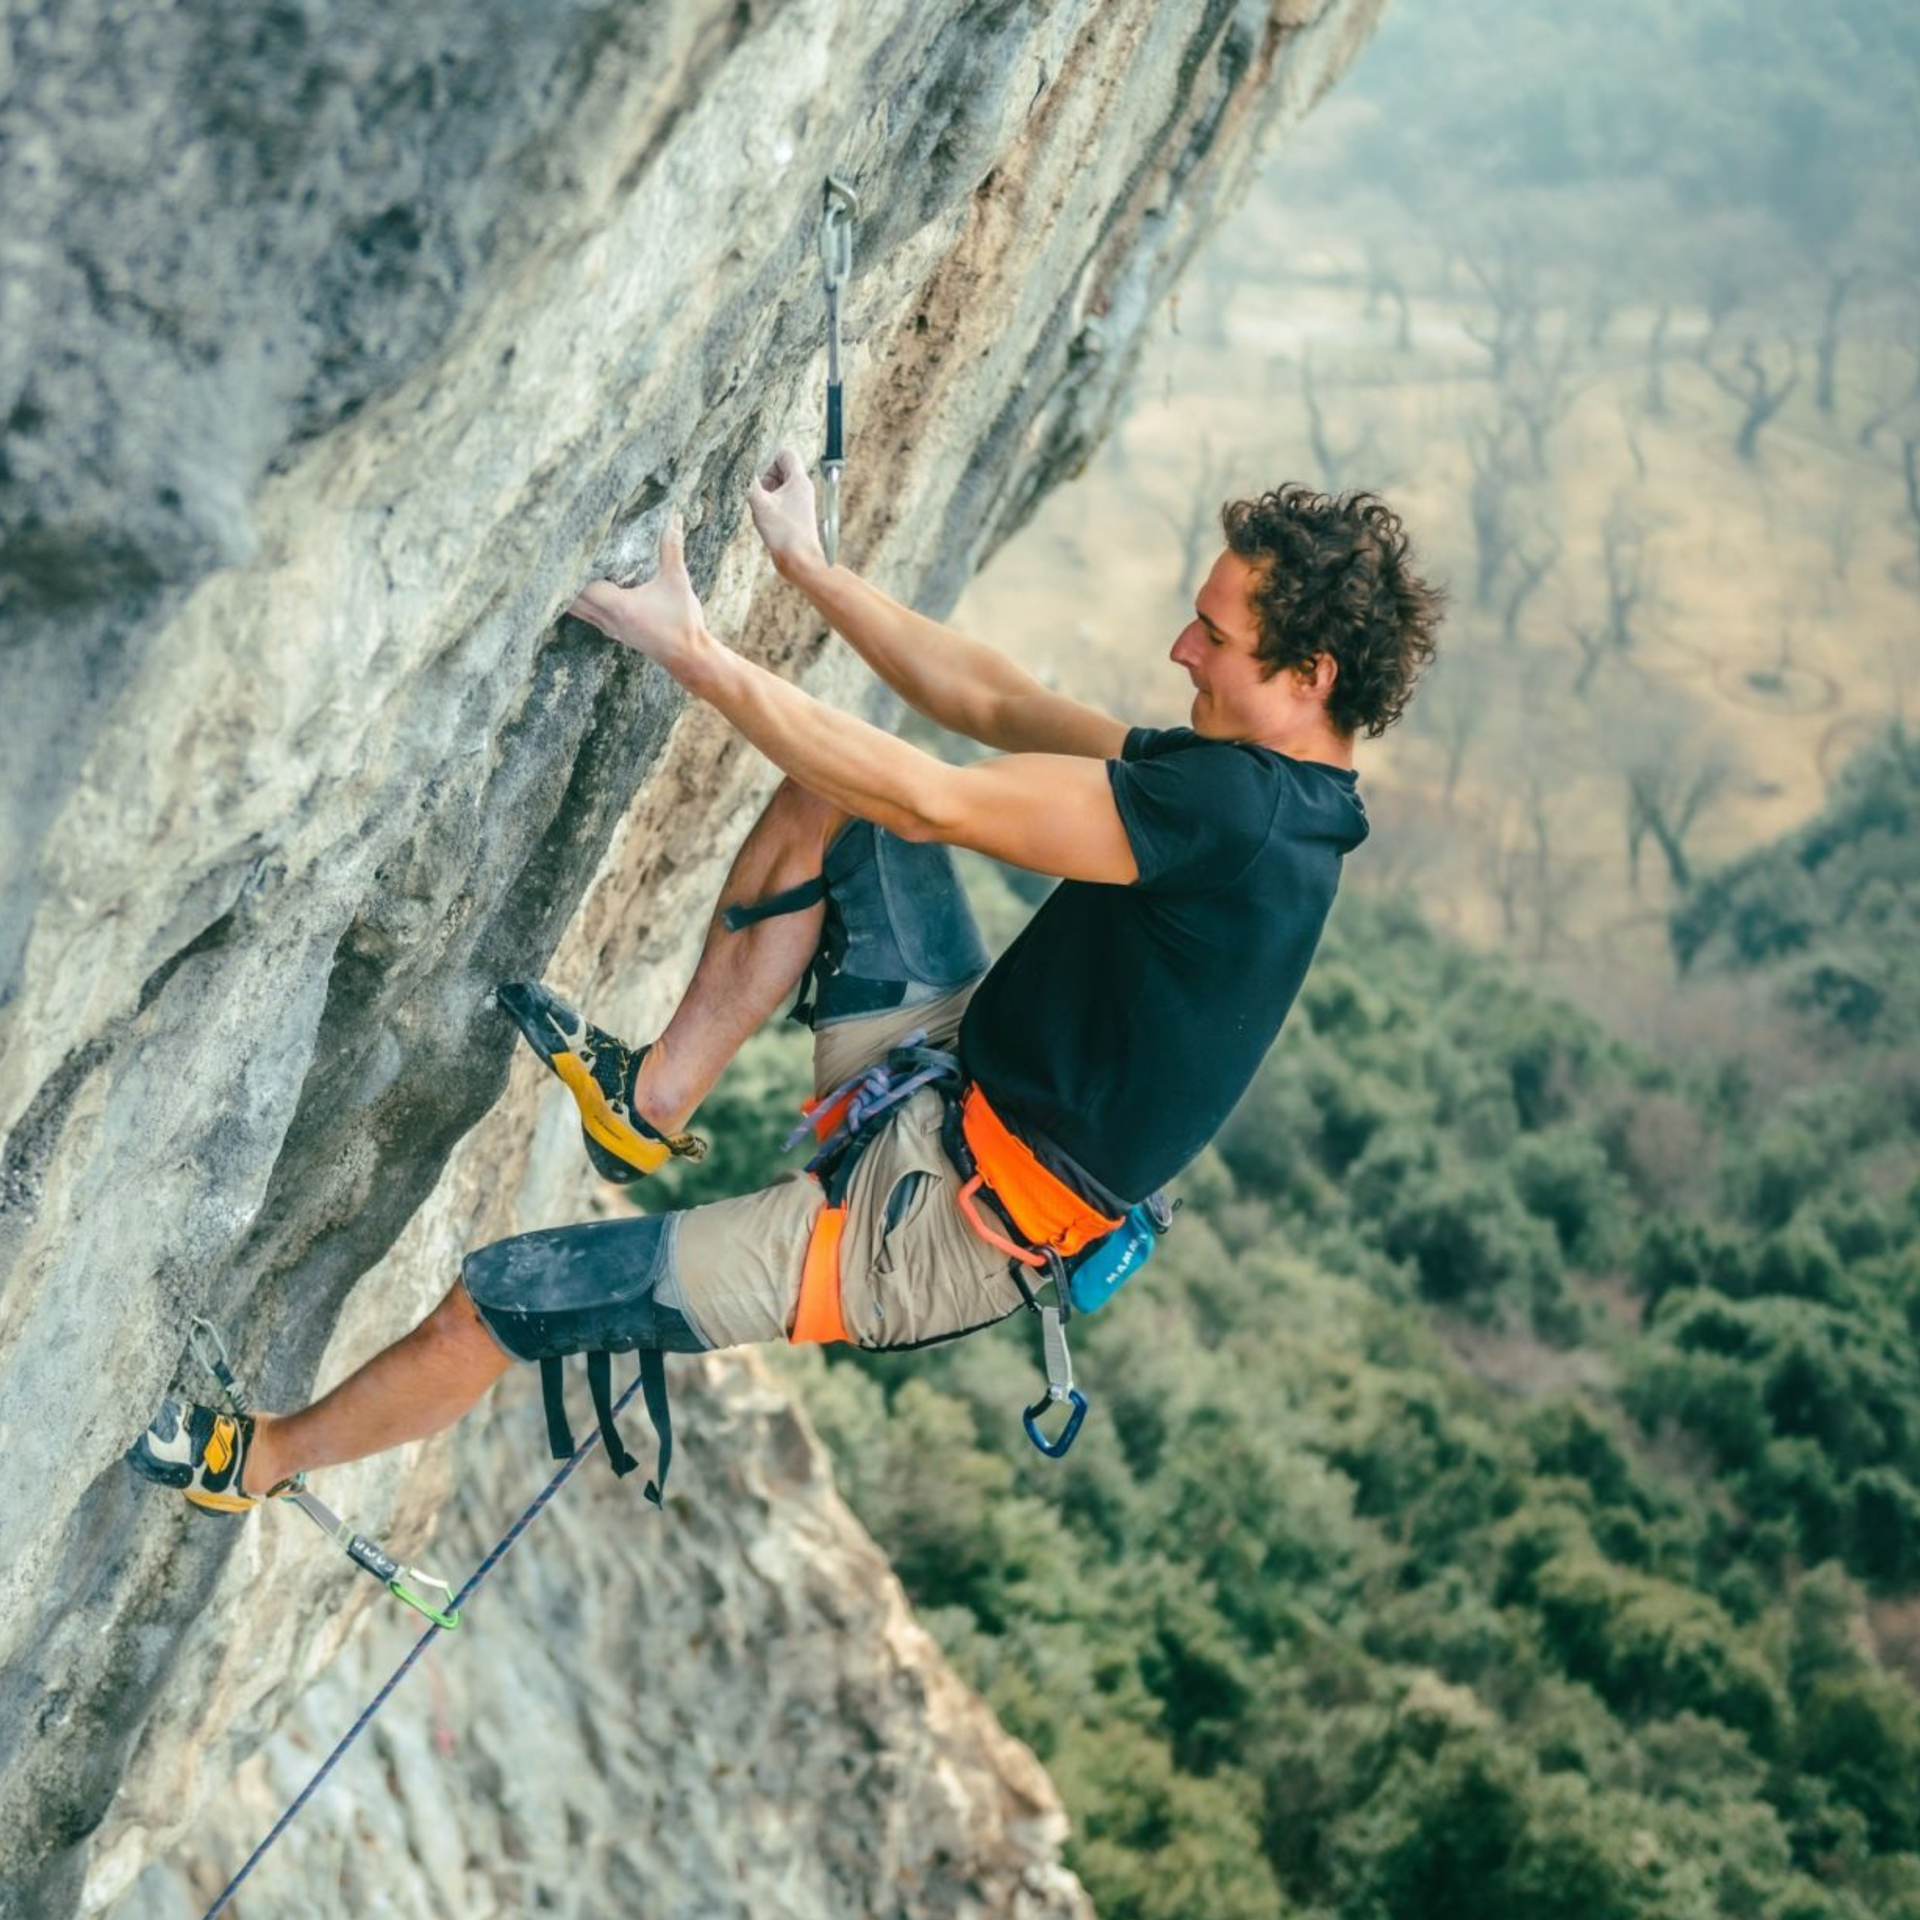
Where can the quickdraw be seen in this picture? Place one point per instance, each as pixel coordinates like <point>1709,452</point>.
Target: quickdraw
<point>841,208</point>
<point>1060,1388</point>
<point>403,1582</point>
<point>1052,1235</point>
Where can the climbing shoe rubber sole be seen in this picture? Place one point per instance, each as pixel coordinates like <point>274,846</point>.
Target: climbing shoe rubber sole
<point>599,1071</point>
<point>200,1452</point>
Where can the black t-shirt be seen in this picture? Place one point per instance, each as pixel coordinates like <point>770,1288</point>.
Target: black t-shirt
<point>1124,1023</point>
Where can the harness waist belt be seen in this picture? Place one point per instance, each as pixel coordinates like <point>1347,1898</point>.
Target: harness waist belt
<point>1042,1207</point>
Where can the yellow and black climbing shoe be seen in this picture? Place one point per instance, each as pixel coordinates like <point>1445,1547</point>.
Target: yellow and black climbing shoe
<point>599,1071</point>
<point>200,1452</point>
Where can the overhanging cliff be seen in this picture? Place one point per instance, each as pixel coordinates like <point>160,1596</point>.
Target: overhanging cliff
<point>338,344</point>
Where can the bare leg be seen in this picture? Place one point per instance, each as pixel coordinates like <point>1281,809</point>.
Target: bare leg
<point>741,977</point>
<point>425,1381</point>
<point>430,1377</point>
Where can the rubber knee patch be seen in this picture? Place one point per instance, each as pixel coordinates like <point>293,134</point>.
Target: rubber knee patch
<point>594,1287</point>
<point>898,924</point>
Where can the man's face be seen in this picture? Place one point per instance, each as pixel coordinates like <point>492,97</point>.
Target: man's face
<point>1217,648</point>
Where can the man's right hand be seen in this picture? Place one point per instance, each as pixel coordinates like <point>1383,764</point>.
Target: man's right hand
<point>782,505</point>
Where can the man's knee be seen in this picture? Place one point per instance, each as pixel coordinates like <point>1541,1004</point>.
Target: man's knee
<point>899,929</point>
<point>605,1285</point>
<point>803,811</point>
<point>458,1316</point>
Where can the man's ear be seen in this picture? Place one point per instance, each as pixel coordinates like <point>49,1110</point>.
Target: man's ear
<point>1318,676</point>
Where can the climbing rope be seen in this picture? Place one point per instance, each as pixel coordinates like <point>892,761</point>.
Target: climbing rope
<point>420,1646</point>
<point>841,209</point>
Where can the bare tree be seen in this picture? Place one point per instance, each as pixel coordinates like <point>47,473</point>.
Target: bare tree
<point>1633,419</point>
<point>1490,452</point>
<point>1903,388</point>
<point>1452,707</point>
<point>1601,302</point>
<point>1553,878</point>
<point>1893,678</point>
<point>1762,386</point>
<point>1336,465</point>
<point>1843,533</point>
<point>1506,279</point>
<point>1840,284</point>
<point>1665,801</point>
<point>1672,772</point>
<point>1910,472</point>
<point>1198,528</point>
<point>1533,560</point>
<point>1541,391</point>
<point>1532,881</point>
<point>1503,859</point>
<point>1733,257</point>
<point>1774,678</point>
<point>1623,538</point>
<point>1656,392</point>
<point>1904,401</point>
<point>1384,283</point>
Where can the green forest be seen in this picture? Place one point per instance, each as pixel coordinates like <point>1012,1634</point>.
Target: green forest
<point>1502,1495</point>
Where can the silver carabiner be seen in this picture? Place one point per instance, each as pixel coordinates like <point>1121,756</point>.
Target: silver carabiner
<point>840,209</point>
<point>205,1343</point>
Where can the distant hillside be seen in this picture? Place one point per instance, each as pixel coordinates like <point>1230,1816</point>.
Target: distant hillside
<point>1830,914</point>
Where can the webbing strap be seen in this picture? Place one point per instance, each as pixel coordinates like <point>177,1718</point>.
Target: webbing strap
<point>600,1385</point>
<point>653,1384</point>
<point>553,1396</point>
<point>1040,1204</point>
<point>797,899</point>
<point>809,893</point>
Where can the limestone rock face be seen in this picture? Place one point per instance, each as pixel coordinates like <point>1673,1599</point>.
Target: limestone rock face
<point>338,344</point>
<point>718,1714</point>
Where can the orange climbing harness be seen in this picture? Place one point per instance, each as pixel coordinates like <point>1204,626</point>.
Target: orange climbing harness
<point>1040,1206</point>
<point>1042,1214</point>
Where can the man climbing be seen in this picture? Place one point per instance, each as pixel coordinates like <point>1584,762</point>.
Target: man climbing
<point>1007,1117</point>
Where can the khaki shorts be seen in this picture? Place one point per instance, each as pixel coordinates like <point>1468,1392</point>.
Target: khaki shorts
<point>911,1269</point>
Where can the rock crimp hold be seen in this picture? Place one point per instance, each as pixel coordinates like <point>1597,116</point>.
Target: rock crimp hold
<point>338,344</point>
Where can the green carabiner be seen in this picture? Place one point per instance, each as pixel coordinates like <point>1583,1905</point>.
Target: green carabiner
<point>449,1621</point>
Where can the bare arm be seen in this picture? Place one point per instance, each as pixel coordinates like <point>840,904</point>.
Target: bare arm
<point>959,684</point>
<point>1054,813</point>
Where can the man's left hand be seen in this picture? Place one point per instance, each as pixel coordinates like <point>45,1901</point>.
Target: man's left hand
<point>662,619</point>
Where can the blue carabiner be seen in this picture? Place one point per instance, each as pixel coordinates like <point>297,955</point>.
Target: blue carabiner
<point>1056,1449</point>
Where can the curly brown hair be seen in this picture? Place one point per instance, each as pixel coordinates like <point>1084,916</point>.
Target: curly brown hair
<point>1335,576</point>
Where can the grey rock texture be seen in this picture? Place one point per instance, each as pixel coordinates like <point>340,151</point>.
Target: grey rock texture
<point>338,344</point>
